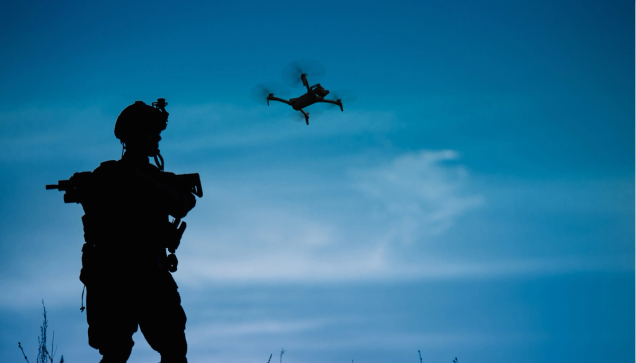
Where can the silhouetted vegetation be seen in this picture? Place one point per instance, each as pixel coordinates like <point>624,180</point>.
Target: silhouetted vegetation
<point>44,354</point>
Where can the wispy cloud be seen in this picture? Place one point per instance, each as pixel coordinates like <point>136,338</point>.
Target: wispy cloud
<point>422,194</point>
<point>375,224</point>
<point>255,328</point>
<point>403,201</point>
<point>55,133</point>
<point>375,265</point>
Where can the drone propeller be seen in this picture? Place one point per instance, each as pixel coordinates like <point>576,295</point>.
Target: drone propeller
<point>292,72</point>
<point>346,96</point>
<point>262,90</point>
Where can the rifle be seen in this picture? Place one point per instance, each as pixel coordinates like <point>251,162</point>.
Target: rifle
<point>76,184</point>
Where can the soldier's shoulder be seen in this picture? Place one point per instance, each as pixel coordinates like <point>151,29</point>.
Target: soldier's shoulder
<point>106,166</point>
<point>109,164</point>
<point>108,169</point>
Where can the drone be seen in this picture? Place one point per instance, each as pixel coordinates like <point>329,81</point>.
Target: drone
<point>294,74</point>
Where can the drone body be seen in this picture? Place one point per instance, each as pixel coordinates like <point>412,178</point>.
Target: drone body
<point>294,72</point>
<point>315,94</point>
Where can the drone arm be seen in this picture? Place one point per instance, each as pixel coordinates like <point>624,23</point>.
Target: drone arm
<point>272,98</point>
<point>336,102</point>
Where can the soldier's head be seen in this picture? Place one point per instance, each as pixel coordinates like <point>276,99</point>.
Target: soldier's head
<point>139,125</point>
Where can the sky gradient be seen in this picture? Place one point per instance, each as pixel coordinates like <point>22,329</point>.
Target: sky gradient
<point>476,201</point>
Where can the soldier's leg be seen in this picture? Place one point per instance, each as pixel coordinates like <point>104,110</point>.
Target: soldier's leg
<point>163,320</point>
<point>111,324</point>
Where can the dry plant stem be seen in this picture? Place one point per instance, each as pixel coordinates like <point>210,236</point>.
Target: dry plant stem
<point>43,353</point>
<point>25,357</point>
<point>52,348</point>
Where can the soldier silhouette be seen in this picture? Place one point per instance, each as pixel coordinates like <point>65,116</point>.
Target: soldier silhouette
<point>125,268</point>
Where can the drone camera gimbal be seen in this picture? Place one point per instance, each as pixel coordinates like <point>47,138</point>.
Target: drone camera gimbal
<point>161,103</point>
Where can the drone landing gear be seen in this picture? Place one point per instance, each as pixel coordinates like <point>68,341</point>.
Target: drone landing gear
<point>306,115</point>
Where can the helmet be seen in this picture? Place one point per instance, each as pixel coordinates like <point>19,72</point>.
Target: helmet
<point>138,119</point>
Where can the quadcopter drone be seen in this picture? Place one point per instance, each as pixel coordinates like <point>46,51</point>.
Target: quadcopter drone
<point>294,74</point>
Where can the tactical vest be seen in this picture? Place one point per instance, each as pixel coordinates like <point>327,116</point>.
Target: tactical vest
<point>126,227</point>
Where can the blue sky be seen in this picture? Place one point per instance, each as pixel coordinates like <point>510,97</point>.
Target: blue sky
<point>477,200</point>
